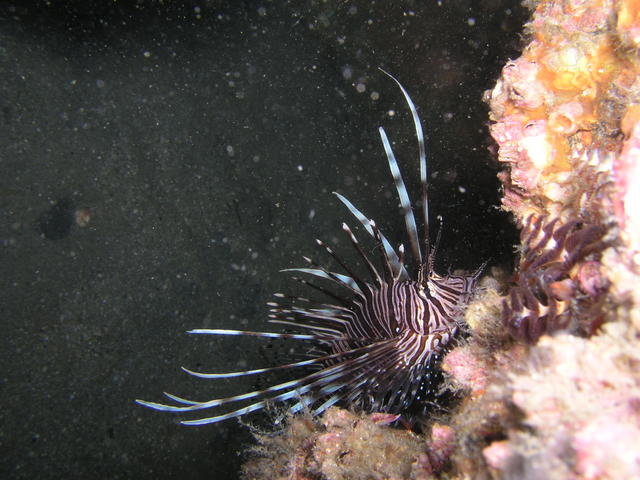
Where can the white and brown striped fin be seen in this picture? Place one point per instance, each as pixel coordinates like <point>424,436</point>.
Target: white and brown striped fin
<point>405,202</point>
<point>396,264</point>
<point>422,156</point>
<point>332,377</point>
<point>338,278</point>
<point>354,241</point>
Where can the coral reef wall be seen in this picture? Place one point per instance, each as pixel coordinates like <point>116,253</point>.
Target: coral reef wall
<point>551,369</point>
<point>565,118</point>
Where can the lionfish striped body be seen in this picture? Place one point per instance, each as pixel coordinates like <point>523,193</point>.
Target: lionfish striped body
<point>376,344</point>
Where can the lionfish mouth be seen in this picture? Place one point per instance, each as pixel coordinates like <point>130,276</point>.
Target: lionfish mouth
<point>377,343</point>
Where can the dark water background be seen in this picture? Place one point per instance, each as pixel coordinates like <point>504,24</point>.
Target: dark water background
<point>205,139</point>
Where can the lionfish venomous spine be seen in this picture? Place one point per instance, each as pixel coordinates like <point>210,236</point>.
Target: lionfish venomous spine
<point>376,344</point>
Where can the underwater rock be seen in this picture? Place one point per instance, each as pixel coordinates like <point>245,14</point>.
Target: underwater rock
<point>345,446</point>
<point>566,118</point>
<point>557,109</point>
<point>581,404</point>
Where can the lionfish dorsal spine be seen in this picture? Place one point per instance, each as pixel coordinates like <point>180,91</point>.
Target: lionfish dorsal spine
<point>405,202</point>
<point>358,281</point>
<point>397,263</point>
<point>370,266</point>
<point>402,191</point>
<point>340,279</point>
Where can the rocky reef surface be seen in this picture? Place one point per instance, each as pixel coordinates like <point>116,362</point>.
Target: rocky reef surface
<point>547,381</point>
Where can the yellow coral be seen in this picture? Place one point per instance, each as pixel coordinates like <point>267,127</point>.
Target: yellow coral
<point>568,80</point>
<point>629,22</point>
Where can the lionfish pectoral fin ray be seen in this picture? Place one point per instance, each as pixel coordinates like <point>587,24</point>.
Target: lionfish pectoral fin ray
<point>178,399</point>
<point>329,402</point>
<point>294,336</point>
<point>422,154</point>
<point>253,407</point>
<point>159,406</point>
<point>219,418</point>
<point>303,363</point>
<point>334,398</point>
<point>379,353</point>
<point>294,323</point>
<point>308,400</point>
<point>396,264</point>
<point>357,379</point>
<point>325,378</point>
<point>405,202</point>
<point>301,383</point>
<point>293,388</point>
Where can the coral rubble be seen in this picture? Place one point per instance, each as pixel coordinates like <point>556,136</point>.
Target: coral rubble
<point>345,446</point>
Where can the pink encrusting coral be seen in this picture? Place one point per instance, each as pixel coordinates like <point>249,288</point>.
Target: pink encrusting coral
<point>566,118</point>
<point>547,107</point>
<point>581,400</point>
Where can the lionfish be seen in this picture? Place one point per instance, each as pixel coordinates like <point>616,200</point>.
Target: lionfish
<point>377,342</point>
